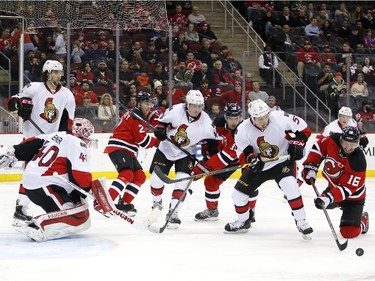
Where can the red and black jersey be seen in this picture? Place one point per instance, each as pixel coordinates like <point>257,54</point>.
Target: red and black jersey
<point>130,134</point>
<point>346,175</point>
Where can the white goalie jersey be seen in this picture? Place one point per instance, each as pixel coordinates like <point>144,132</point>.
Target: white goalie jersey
<point>60,152</point>
<point>47,108</point>
<point>185,131</point>
<point>273,141</point>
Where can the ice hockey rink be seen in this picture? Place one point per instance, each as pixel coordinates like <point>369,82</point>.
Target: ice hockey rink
<point>113,250</point>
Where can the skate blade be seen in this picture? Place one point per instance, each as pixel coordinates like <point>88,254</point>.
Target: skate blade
<point>236,232</point>
<point>306,237</point>
<point>19,223</point>
<point>172,225</point>
<point>208,219</point>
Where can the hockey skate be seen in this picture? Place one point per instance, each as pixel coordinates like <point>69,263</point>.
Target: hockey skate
<point>365,222</point>
<point>252,215</point>
<point>173,221</point>
<point>158,205</point>
<point>126,208</point>
<point>238,226</point>
<point>304,228</point>
<point>156,209</point>
<point>207,215</point>
<point>21,216</point>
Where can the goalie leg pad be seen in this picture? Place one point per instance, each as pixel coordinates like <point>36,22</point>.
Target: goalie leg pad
<point>102,196</point>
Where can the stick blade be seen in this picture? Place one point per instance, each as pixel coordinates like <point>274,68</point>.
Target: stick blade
<point>161,175</point>
<point>343,246</point>
<point>155,229</point>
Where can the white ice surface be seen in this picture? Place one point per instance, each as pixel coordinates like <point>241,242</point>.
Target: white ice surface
<point>114,250</point>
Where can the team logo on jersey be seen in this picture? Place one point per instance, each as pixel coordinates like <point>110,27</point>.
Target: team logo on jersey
<point>266,149</point>
<point>50,112</point>
<point>181,137</point>
<point>333,168</point>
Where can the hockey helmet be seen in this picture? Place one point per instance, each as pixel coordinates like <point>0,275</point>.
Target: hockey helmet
<point>194,97</point>
<point>232,109</point>
<point>258,108</point>
<point>346,111</point>
<point>83,129</point>
<point>51,65</point>
<point>350,134</point>
<point>143,96</point>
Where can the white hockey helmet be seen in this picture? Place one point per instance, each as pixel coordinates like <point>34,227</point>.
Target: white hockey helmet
<point>258,108</point>
<point>346,111</point>
<point>83,129</point>
<point>51,65</point>
<point>194,97</point>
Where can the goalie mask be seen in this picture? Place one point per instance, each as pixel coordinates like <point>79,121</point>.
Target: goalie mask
<point>83,129</point>
<point>194,103</point>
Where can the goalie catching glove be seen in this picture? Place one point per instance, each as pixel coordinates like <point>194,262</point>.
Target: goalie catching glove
<point>295,149</point>
<point>7,157</point>
<point>309,173</point>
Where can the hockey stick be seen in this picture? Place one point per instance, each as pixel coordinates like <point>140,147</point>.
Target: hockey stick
<point>156,229</point>
<point>167,180</point>
<point>118,214</point>
<point>36,126</point>
<point>341,246</point>
<point>150,127</point>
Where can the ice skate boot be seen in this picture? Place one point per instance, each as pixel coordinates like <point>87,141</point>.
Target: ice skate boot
<point>158,205</point>
<point>365,223</point>
<point>238,226</point>
<point>252,215</point>
<point>174,220</point>
<point>126,208</point>
<point>207,215</point>
<point>304,227</point>
<point>21,216</point>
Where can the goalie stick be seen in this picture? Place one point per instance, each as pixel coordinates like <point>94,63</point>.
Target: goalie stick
<point>339,245</point>
<point>156,229</point>
<point>113,210</point>
<point>168,180</point>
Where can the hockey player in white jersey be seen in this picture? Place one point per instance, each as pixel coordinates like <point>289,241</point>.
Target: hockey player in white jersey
<point>267,135</point>
<point>345,119</point>
<point>185,124</point>
<point>68,155</point>
<point>50,106</point>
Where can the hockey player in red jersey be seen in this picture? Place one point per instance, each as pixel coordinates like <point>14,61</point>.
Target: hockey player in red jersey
<point>344,167</point>
<point>267,135</point>
<point>50,106</point>
<point>185,124</point>
<point>218,158</point>
<point>68,155</point>
<point>122,149</point>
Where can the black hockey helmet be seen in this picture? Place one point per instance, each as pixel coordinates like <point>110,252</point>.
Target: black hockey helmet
<point>350,134</point>
<point>143,96</point>
<point>232,109</point>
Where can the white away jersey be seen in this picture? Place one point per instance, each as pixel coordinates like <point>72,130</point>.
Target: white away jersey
<point>58,149</point>
<point>335,127</point>
<point>48,108</point>
<point>185,131</point>
<point>272,141</point>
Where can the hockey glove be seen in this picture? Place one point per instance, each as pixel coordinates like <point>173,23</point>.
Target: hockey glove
<point>322,201</point>
<point>295,149</point>
<point>200,168</point>
<point>256,164</point>
<point>363,141</point>
<point>160,133</point>
<point>309,173</point>
<point>25,107</point>
<point>7,158</point>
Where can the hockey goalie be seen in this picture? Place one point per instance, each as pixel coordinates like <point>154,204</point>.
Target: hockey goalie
<point>67,211</point>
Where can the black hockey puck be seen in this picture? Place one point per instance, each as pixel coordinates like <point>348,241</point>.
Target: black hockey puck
<point>359,252</point>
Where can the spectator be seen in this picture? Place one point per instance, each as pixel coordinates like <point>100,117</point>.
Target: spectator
<point>132,101</point>
<point>103,42</point>
<point>131,91</point>
<point>344,29</point>
<point>306,55</point>
<point>342,14</point>
<point>178,95</point>
<point>324,79</point>
<point>256,93</point>
<point>214,111</point>
<point>221,77</point>
<point>159,74</point>
<point>368,20</point>
<point>283,38</point>
<point>6,44</point>
<point>111,55</point>
<point>126,76</point>
<point>233,95</point>
<point>74,87</point>
<point>336,91</point>
<point>205,90</point>
<point>230,64</point>
<point>143,80</point>
<point>358,13</point>
<point>265,24</point>
<point>46,45</point>
<point>327,29</point>
<point>251,6</point>
<point>103,76</point>
<point>159,90</point>
<point>86,110</point>
<point>179,18</point>
<point>207,33</point>
<point>93,54</point>
<point>195,17</point>
<point>191,36</point>
<point>267,64</point>
<point>192,63</point>
<point>159,105</point>
<point>238,75</point>
<point>199,76</point>
<point>86,93</point>
<point>162,43</point>
<point>312,29</point>
<point>182,76</point>
<point>311,12</point>
<point>151,56</point>
<point>28,45</point>
<point>366,116</point>
<point>28,65</point>
<point>177,43</point>
<point>248,82</point>
<point>107,113</point>
<point>77,53</point>
<point>359,91</point>
<point>205,51</point>
<point>354,39</point>
<point>183,51</point>
<point>369,40</point>
<point>60,43</point>
<point>136,48</point>
<point>301,20</point>
<point>285,18</point>
<point>343,53</point>
<point>85,74</point>
<point>271,102</point>
<point>214,56</point>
